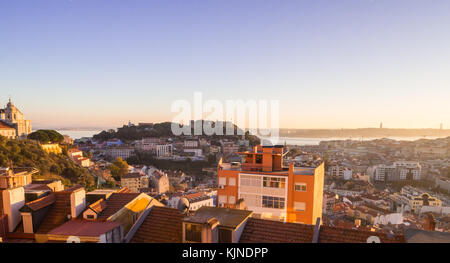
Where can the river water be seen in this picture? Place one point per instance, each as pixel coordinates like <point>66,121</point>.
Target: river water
<point>77,134</point>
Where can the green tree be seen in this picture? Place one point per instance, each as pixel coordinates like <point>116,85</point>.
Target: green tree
<point>118,168</point>
<point>46,136</point>
<point>40,136</point>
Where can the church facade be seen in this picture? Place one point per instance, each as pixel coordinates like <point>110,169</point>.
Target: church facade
<point>12,117</point>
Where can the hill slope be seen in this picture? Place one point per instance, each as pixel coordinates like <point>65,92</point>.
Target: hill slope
<point>27,153</point>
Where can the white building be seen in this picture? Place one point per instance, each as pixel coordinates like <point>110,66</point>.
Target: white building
<point>14,118</point>
<point>196,152</point>
<point>164,150</point>
<point>401,170</point>
<point>408,170</point>
<point>194,201</point>
<point>191,143</point>
<point>341,172</point>
<point>120,151</point>
<point>148,144</point>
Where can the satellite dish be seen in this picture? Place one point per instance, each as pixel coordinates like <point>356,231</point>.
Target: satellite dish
<point>183,205</point>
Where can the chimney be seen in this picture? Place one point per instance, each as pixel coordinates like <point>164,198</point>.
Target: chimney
<point>240,204</point>
<point>13,199</point>
<point>77,202</point>
<point>430,222</point>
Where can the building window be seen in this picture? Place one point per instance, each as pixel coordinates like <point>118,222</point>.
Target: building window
<point>300,187</point>
<point>273,202</point>
<point>274,182</point>
<point>232,181</point>
<point>90,217</point>
<point>231,200</point>
<point>222,199</point>
<point>193,233</point>
<point>222,181</point>
<point>299,206</point>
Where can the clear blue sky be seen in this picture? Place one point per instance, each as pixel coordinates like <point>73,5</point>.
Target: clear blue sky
<point>332,64</point>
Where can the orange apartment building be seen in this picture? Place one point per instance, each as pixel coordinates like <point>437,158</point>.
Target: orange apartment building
<point>290,194</point>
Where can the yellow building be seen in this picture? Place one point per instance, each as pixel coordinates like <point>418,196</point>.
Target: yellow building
<point>51,148</point>
<point>424,199</point>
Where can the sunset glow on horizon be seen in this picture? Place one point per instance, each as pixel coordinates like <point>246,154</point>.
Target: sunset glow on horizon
<point>330,64</point>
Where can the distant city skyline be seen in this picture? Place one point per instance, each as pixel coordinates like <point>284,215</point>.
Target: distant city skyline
<point>331,64</point>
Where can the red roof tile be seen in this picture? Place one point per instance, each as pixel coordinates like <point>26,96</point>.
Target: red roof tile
<point>132,175</point>
<point>267,231</point>
<point>343,235</point>
<point>84,228</point>
<point>58,213</point>
<point>5,126</point>
<point>41,202</point>
<point>116,202</point>
<point>98,206</point>
<point>162,225</point>
<point>123,190</point>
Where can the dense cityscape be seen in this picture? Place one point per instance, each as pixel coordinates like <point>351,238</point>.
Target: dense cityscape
<point>224,131</point>
<point>140,183</point>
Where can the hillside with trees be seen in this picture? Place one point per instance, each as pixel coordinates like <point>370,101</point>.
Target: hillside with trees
<point>46,136</point>
<point>28,153</point>
<point>131,133</point>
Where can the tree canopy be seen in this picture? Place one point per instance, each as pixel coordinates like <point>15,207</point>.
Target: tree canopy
<point>27,153</point>
<point>118,168</point>
<point>46,136</point>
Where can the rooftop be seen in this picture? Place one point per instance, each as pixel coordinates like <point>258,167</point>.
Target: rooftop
<point>162,225</point>
<point>39,203</point>
<point>132,175</point>
<point>227,217</point>
<point>5,126</point>
<point>84,228</point>
<point>266,231</point>
<point>116,202</point>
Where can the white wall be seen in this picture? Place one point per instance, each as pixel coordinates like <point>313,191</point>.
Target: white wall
<point>13,200</point>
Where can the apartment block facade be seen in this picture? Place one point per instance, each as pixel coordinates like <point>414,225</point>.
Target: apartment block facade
<point>270,190</point>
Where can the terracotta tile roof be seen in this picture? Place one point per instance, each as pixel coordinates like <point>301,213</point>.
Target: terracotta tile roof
<point>196,197</point>
<point>84,228</point>
<point>193,196</point>
<point>98,206</point>
<point>5,126</point>
<point>132,175</point>
<point>342,235</point>
<point>162,225</point>
<point>116,202</point>
<point>266,231</point>
<point>124,190</point>
<point>57,215</point>
<point>72,189</point>
<point>40,203</point>
<point>19,238</point>
<point>38,187</point>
